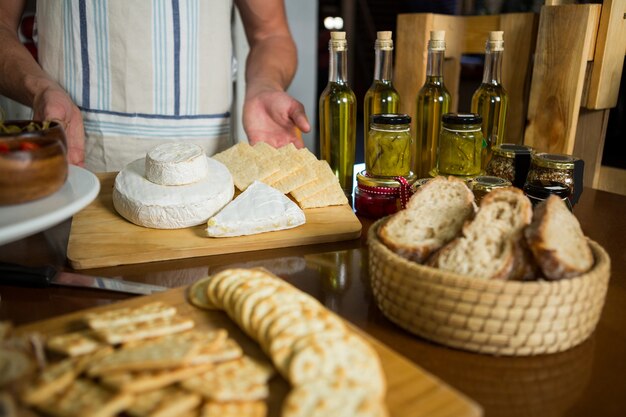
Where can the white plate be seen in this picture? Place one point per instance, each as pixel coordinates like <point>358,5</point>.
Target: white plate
<point>21,220</point>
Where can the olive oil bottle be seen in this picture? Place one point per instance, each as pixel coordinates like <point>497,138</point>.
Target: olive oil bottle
<point>490,100</point>
<point>382,97</point>
<point>433,100</point>
<point>337,115</point>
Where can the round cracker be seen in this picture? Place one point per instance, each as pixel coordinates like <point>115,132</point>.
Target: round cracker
<point>197,294</point>
<point>335,398</point>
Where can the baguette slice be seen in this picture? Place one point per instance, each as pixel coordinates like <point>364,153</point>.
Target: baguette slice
<point>557,241</point>
<point>433,217</point>
<point>487,246</point>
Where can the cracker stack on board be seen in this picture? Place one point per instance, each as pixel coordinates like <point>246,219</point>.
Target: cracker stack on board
<point>292,171</point>
<point>150,361</point>
<point>333,371</point>
<point>160,370</point>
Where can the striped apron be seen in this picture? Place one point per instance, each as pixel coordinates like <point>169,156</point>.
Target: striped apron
<point>142,72</point>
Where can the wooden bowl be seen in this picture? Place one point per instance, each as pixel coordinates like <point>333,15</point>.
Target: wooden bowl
<point>32,164</point>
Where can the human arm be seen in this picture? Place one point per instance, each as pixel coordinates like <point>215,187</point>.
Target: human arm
<point>23,80</point>
<point>269,113</point>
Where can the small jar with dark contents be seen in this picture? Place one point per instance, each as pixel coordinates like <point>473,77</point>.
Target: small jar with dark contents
<point>376,197</point>
<point>484,184</point>
<point>552,167</point>
<point>539,190</point>
<point>503,161</point>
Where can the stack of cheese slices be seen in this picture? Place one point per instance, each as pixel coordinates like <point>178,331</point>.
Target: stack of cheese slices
<point>291,171</point>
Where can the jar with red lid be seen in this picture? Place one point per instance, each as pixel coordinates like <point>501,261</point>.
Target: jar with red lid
<point>376,197</point>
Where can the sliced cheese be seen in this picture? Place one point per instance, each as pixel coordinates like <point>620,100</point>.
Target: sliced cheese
<point>176,163</point>
<point>259,209</point>
<point>171,207</point>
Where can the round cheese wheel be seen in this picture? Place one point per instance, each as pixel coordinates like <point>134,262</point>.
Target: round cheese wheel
<point>171,206</point>
<point>176,163</point>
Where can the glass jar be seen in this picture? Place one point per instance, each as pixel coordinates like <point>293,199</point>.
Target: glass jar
<point>460,145</point>
<point>388,145</point>
<point>376,197</point>
<point>418,183</point>
<point>539,190</point>
<point>552,167</point>
<point>503,162</point>
<point>484,184</point>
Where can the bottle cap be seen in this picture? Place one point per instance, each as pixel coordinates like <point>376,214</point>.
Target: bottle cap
<point>495,41</point>
<point>437,40</point>
<point>338,41</point>
<point>384,41</point>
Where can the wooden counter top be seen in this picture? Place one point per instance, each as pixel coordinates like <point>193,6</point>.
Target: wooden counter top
<point>585,381</point>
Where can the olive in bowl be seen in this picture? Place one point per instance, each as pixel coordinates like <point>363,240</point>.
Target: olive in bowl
<point>33,160</point>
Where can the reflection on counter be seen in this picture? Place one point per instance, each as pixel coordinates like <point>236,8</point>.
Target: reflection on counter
<point>334,270</point>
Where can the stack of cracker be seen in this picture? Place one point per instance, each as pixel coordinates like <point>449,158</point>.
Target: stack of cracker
<point>332,370</point>
<point>148,361</point>
<point>292,171</point>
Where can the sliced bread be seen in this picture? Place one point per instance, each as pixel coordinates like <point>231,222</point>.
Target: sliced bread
<point>487,246</point>
<point>433,217</point>
<point>557,241</point>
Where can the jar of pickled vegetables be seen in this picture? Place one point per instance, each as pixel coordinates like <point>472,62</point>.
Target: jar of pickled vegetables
<point>460,145</point>
<point>388,145</point>
<point>377,197</point>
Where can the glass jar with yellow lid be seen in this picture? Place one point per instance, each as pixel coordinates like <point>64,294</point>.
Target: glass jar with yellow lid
<point>377,197</point>
<point>460,145</point>
<point>511,162</point>
<point>388,145</point>
<point>484,184</point>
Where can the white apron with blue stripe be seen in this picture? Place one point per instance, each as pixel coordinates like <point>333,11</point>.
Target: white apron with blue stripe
<point>142,72</point>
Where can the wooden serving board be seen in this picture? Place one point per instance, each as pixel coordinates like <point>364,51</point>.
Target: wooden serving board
<point>100,237</point>
<point>411,391</point>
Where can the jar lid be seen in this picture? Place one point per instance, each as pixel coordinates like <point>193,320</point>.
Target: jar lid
<point>419,182</point>
<point>363,178</point>
<point>488,183</point>
<point>462,119</point>
<point>509,150</point>
<point>554,160</point>
<point>390,119</point>
<point>544,188</point>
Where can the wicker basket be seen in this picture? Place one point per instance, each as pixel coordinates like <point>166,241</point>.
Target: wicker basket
<point>487,316</point>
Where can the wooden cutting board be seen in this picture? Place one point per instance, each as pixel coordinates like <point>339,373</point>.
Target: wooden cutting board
<point>100,237</point>
<point>411,391</point>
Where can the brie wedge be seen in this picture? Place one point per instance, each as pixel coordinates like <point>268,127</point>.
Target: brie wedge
<point>171,207</point>
<point>176,163</point>
<point>260,208</point>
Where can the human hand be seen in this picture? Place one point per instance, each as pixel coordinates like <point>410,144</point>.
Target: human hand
<point>54,104</point>
<point>274,117</point>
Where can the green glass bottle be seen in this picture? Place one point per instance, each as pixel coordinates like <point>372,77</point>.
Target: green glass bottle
<point>382,97</point>
<point>337,115</point>
<point>490,100</point>
<point>433,100</point>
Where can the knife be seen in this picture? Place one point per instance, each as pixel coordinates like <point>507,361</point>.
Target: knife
<point>45,276</point>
